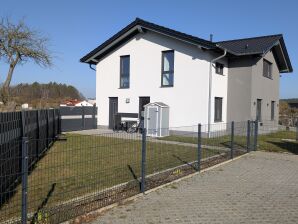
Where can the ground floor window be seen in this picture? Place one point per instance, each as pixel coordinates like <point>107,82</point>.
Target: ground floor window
<point>259,110</point>
<point>272,110</point>
<point>218,109</point>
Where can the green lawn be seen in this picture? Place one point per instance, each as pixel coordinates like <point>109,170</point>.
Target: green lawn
<point>274,142</point>
<point>85,164</point>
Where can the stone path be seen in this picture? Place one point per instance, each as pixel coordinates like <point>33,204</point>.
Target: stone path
<point>257,188</point>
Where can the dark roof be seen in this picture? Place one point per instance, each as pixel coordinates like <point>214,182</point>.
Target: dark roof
<point>240,47</point>
<point>255,45</point>
<point>151,26</point>
<point>248,46</point>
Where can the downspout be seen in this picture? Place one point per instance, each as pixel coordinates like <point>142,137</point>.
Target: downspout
<point>210,89</point>
<point>90,66</point>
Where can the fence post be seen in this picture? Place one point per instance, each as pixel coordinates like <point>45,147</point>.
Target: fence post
<point>37,132</point>
<point>199,147</point>
<point>143,165</point>
<point>54,123</point>
<point>83,118</point>
<point>24,178</point>
<point>297,130</point>
<point>59,121</point>
<point>23,114</point>
<point>93,117</point>
<point>48,126</point>
<point>248,136</point>
<point>232,140</point>
<point>256,135</point>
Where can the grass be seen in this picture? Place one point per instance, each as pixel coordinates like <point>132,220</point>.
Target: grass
<point>273,142</point>
<point>85,164</point>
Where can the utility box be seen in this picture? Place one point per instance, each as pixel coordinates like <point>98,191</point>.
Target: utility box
<point>156,119</point>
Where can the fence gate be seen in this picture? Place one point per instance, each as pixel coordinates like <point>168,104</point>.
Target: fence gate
<point>78,118</point>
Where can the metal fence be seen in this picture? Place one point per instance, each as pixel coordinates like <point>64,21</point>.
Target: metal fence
<point>277,138</point>
<point>81,173</point>
<point>78,118</point>
<point>288,121</point>
<point>33,124</point>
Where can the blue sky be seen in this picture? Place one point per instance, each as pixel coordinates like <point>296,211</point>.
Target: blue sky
<point>76,27</point>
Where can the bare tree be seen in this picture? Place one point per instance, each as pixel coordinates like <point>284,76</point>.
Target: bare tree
<point>19,44</point>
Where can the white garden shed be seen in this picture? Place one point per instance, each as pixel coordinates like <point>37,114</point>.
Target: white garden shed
<point>156,119</point>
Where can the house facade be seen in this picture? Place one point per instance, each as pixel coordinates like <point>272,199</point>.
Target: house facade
<point>201,81</point>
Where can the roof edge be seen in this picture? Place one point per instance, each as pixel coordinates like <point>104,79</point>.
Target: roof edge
<point>150,26</point>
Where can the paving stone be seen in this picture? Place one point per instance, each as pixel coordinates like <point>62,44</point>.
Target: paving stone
<point>257,188</point>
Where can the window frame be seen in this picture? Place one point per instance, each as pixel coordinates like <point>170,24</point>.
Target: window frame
<point>167,72</point>
<point>272,110</point>
<point>216,119</point>
<point>269,75</point>
<point>221,67</point>
<point>123,74</point>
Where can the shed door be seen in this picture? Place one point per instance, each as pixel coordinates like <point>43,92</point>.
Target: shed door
<point>152,120</point>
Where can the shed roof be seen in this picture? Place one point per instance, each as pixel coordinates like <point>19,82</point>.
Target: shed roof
<point>160,104</point>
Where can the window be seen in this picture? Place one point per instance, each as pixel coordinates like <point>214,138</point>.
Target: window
<point>219,68</point>
<point>259,110</point>
<point>218,109</point>
<point>124,71</point>
<point>167,70</point>
<point>267,69</point>
<point>272,110</point>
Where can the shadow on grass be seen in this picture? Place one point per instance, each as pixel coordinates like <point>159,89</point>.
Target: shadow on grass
<point>134,175</point>
<point>236,145</point>
<point>36,215</point>
<point>6,193</point>
<point>185,162</point>
<point>288,146</point>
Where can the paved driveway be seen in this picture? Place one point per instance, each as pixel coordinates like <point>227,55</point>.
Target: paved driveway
<point>257,188</point>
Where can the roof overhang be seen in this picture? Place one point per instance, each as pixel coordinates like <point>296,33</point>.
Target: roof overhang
<point>277,45</point>
<point>134,28</point>
<point>281,56</point>
<point>279,51</point>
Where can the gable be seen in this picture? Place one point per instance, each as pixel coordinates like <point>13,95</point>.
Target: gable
<point>141,26</point>
<point>256,46</point>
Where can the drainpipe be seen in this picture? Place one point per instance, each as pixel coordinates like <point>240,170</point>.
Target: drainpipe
<point>210,89</point>
<point>90,66</point>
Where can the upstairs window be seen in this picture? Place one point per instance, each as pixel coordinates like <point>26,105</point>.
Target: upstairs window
<point>217,109</point>
<point>167,70</point>
<point>124,71</point>
<point>267,69</point>
<point>219,68</point>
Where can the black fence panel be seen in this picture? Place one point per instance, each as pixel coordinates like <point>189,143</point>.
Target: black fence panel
<point>34,124</point>
<point>78,118</point>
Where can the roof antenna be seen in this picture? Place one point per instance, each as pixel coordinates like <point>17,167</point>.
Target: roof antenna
<point>211,37</point>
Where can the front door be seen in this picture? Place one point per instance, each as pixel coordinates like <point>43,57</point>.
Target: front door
<point>113,109</point>
<point>143,100</point>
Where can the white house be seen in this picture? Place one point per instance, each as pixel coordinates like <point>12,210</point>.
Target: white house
<point>201,81</point>
<point>83,103</point>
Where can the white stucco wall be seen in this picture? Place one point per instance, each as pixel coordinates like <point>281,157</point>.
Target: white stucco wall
<point>188,99</point>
